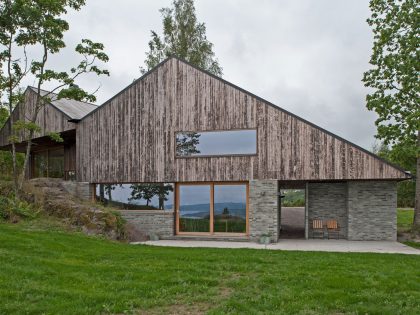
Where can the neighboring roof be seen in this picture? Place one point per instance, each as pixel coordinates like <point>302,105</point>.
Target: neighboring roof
<point>71,108</point>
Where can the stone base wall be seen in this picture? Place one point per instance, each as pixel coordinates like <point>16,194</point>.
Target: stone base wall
<point>372,210</point>
<point>158,222</point>
<point>263,209</point>
<point>81,190</point>
<point>328,201</point>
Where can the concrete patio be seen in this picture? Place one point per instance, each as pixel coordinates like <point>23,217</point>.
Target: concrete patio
<point>299,245</point>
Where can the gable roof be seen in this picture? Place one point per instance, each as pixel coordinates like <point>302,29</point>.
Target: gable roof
<point>406,173</point>
<point>74,110</point>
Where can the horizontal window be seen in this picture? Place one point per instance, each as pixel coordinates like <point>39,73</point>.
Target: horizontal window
<point>216,143</point>
<point>136,196</point>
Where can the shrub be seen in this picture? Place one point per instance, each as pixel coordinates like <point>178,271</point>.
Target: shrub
<point>13,211</point>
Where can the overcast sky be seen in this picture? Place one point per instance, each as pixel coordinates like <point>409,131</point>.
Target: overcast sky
<point>307,56</point>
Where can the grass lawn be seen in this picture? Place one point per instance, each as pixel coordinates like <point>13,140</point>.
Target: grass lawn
<point>44,270</point>
<point>405,217</point>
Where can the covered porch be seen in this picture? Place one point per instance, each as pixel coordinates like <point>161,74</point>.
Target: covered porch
<point>363,210</point>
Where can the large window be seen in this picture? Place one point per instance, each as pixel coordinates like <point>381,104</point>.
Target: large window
<point>194,208</point>
<point>48,163</point>
<point>212,208</point>
<point>216,143</point>
<point>229,208</point>
<point>136,196</point>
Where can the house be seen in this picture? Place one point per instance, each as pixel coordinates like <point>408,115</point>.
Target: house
<point>182,152</point>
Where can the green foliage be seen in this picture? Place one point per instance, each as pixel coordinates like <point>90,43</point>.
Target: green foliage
<point>55,136</point>
<point>6,166</point>
<point>11,210</point>
<point>293,198</point>
<point>40,24</point>
<point>183,36</point>
<point>70,273</point>
<point>404,219</point>
<point>14,210</point>
<point>394,78</point>
<point>405,157</point>
<point>148,191</point>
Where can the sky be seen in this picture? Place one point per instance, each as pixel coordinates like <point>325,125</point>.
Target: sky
<point>306,56</point>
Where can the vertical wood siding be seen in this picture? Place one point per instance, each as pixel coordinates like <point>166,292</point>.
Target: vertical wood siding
<point>49,119</point>
<point>132,137</point>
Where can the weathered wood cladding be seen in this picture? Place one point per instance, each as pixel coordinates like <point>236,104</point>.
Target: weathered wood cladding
<point>131,137</point>
<point>70,157</point>
<point>49,118</point>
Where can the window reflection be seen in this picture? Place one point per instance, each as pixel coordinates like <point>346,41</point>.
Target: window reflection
<point>194,208</point>
<point>136,196</point>
<point>233,142</point>
<point>229,208</point>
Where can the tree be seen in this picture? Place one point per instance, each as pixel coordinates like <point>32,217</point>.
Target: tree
<point>148,191</point>
<point>40,24</point>
<point>143,191</point>
<point>163,192</point>
<point>186,143</point>
<point>403,156</point>
<point>394,79</point>
<point>184,37</point>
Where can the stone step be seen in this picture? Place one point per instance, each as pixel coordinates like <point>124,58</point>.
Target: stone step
<point>208,238</point>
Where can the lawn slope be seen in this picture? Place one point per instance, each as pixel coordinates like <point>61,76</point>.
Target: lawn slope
<point>53,272</point>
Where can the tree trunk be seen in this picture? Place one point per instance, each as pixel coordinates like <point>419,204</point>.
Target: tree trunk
<point>101,192</point>
<point>416,222</point>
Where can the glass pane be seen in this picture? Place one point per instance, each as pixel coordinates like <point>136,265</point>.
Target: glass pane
<point>230,208</point>
<point>40,164</point>
<point>136,196</point>
<point>216,143</point>
<point>56,163</point>
<point>194,208</point>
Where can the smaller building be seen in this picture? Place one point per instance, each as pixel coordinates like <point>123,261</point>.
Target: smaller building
<point>185,153</point>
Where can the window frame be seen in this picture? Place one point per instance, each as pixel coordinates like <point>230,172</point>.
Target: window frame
<point>216,155</point>
<point>211,184</point>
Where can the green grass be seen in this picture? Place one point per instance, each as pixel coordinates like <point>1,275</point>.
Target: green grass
<point>43,270</point>
<point>413,244</point>
<point>405,217</point>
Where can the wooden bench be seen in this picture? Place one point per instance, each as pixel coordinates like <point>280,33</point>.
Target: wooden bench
<point>317,228</point>
<point>333,229</point>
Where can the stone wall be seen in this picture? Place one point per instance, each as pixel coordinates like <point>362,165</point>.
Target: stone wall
<point>328,201</point>
<point>81,190</point>
<point>149,222</point>
<point>372,210</point>
<point>263,209</point>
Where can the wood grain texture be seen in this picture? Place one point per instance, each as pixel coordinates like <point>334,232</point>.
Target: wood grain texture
<point>49,119</point>
<point>131,138</point>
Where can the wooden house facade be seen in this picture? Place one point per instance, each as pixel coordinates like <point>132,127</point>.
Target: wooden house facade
<point>183,152</point>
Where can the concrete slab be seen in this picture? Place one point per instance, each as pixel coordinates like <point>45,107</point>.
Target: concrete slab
<point>299,245</point>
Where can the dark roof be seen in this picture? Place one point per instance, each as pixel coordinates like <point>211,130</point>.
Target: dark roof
<point>71,108</point>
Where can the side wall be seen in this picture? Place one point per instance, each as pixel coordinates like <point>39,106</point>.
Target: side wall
<point>372,210</point>
<point>328,201</point>
<point>263,209</point>
<point>156,222</point>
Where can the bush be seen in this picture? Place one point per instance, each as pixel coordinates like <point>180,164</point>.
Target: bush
<point>13,211</point>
